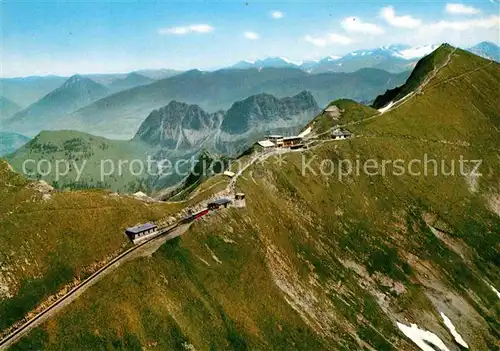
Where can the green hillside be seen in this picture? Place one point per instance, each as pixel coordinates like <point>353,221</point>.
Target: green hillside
<point>328,261</point>
<point>177,132</point>
<point>459,105</point>
<point>87,153</point>
<point>49,238</point>
<point>423,70</point>
<point>340,112</point>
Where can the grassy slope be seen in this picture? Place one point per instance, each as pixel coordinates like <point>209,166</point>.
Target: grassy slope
<point>46,243</point>
<point>293,234</point>
<point>422,70</point>
<point>350,111</point>
<point>461,110</point>
<point>318,263</point>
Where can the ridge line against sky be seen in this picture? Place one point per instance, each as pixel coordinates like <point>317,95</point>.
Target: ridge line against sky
<point>108,37</point>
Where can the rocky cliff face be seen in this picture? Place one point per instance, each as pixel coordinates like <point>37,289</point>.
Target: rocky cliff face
<point>264,110</point>
<point>178,126</point>
<point>184,127</point>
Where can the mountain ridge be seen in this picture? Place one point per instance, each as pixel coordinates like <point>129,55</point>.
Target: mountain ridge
<point>77,91</point>
<point>10,142</point>
<point>393,58</point>
<point>213,91</point>
<point>175,131</point>
<point>183,126</point>
<point>486,50</point>
<point>316,260</point>
<point>8,108</point>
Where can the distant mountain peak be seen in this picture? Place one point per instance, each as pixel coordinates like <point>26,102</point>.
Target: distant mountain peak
<point>265,109</point>
<point>390,57</point>
<point>332,58</point>
<point>416,52</point>
<point>395,47</point>
<point>177,107</point>
<point>76,80</point>
<point>76,92</point>
<point>486,49</point>
<point>273,61</point>
<point>296,63</point>
<point>131,80</point>
<point>175,104</point>
<point>8,108</point>
<point>135,75</point>
<point>394,58</point>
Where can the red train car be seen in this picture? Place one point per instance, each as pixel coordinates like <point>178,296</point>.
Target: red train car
<point>201,213</point>
<point>194,216</point>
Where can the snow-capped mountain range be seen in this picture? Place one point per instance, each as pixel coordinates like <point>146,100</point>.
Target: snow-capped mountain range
<point>267,62</point>
<point>393,58</point>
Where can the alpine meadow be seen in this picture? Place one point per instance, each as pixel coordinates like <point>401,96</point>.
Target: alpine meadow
<point>169,180</point>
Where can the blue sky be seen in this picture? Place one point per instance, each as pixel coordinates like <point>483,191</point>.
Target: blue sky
<point>64,38</point>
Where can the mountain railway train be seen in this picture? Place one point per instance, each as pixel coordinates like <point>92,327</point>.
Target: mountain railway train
<point>148,230</point>
<point>194,216</point>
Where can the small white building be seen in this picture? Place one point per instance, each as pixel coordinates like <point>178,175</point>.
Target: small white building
<point>338,134</point>
<point>275,139</point>
<point>292,141</point>
<point>239,200</point>
<point>266,144</point>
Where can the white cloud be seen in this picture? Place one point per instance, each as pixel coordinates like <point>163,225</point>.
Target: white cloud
<point>277,14</point>
<point>316,41</point>
<point>354,24</point>
<point>331,38</point>
<point>251,35</point>
<point>485,23</point>
<point>389,14</point>
<point>194,28</point>
<point>461,9</point>
<point>463,33</point>
<point>339,39</point>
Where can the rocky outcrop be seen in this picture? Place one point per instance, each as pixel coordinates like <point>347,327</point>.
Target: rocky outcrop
<point>182,127</point>
<point>178,126</point>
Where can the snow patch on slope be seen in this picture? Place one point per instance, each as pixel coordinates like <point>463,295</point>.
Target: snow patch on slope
<point>296,63</point>
<point>305,132</point>
<point>453,331</point>
<point>332,58</point>
<point>495,290</point>
<point>422,337</point>
<point>392,103</point>
<point>386,107</point>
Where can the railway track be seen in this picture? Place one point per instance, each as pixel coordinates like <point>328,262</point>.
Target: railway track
<point>15,335</point>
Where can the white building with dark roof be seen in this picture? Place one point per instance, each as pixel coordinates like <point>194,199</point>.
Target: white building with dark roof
<point>340,135</point>
<point>141,231</point>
